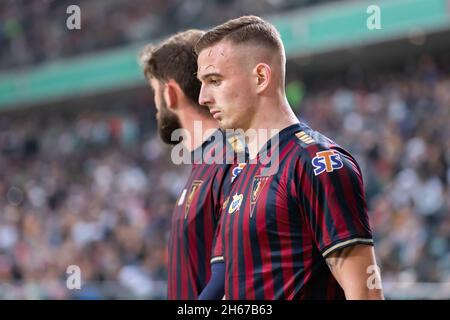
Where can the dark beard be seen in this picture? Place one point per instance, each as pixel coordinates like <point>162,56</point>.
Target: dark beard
<point>168,122</point>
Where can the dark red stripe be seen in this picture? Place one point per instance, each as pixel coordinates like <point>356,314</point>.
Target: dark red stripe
<point>355,205</point>
<point>263,241</point>
<point>284,231</point>
<point>197,247</point>
<point>246,246</point>
<point>225,235</point>
<point>234,253</point>
<point>310,195</point>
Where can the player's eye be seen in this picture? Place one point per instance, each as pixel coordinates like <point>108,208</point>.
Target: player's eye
<point>214,82</point>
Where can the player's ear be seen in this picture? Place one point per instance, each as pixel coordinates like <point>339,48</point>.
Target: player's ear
<point>263,75</point>
<point>171,90</point>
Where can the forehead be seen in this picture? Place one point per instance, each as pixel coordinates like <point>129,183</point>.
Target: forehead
<point>217,58</point>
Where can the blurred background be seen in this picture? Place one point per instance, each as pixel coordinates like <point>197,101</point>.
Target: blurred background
<point>85,180</point>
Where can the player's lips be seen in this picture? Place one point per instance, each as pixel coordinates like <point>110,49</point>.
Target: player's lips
<point>215,113</point>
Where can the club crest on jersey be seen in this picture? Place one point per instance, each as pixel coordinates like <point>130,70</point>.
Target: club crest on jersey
<point>194,187</point>
<point>327,160</point>
<point>236,203</point>
<point>258,184</point>
<point>236,143</point>
<point>237,170</point>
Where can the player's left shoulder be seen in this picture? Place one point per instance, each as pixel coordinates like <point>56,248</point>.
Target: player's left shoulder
<point>305,137</point>
<point>309,141</point>
<point>322,155</point>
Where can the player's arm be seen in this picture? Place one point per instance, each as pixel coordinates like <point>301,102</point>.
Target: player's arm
<point>331,194</point>
<point>355,270</point>
<point>215,288</point>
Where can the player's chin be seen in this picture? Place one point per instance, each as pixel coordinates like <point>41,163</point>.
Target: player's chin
<point>224,124</point>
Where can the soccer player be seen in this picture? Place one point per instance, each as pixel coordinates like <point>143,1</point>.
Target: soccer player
<point>170,68</point>
<point>300,231</point>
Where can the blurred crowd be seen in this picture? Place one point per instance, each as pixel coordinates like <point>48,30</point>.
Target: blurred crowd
<point>397,126</point>
<point>35,31</point>
<point>95,188</point>
<point>92,189</point>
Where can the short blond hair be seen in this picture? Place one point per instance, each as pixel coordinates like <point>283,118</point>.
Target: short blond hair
<point>246,29</point>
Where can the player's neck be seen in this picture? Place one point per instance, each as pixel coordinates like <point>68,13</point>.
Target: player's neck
<point>267,123</point>
<point>199,127</point>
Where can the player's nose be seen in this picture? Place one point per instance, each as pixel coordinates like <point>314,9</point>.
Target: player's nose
<point>204,97</point>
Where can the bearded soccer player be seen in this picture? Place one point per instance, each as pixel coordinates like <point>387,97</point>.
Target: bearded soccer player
<point>170,68</point>
<point>297,230</point>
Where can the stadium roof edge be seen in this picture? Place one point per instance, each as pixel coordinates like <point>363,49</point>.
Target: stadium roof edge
<point>309,31</point>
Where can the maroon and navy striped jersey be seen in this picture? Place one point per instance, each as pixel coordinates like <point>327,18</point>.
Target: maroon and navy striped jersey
<point>195,217</point>
<point>278,226</point>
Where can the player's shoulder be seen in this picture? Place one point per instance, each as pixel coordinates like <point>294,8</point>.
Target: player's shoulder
<point>318,152</point>
<point>220,150</point>
<point>308,140</point>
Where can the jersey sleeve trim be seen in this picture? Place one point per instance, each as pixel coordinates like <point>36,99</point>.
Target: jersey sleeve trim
<point>217,259</point>
<point>346,243</point>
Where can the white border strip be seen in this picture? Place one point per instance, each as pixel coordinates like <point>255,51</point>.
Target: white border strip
<point>217,259</point>
<point>342,244</point>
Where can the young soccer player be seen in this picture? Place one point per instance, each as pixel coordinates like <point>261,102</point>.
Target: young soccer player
<point>300,229</point>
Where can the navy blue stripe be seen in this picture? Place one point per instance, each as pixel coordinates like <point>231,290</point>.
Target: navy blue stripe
<point>306,207</point>
<point>274,239</point>
<point>296,234</point>
<point>360,199</point>
<point>322,201</point>
<point>341,195</point>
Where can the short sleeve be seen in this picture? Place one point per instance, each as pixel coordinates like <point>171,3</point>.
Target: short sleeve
<point>331,197</point>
